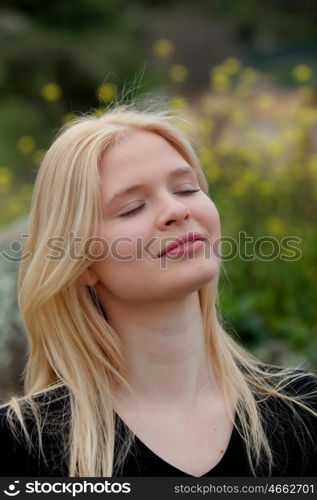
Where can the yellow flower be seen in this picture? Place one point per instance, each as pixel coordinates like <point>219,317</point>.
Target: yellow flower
<point>242,185</point>
<point>312,163</point>
<point>163,48</point>
<point>249,176</point>
<point>100,111</point>
<point>51,92</point>
<point>178,73</point>
<point>206,155</point>
<point>26,144</point>
<point>219,80</point>
<point>106,92</point>
<point>302,72</point>
<point>68,117</point>
<point>177,102</point>
<point>274,225</point>
<point>207,159</point>
<point>5,175</point>
<point>231,65</point>
<point>215,69</point>
<point>5,179</point>
<point>238,117</point>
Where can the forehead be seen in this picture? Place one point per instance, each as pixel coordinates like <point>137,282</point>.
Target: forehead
<point>139,152</point>
<point>139,159</point>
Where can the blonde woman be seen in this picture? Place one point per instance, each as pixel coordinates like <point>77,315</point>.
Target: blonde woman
<point>130,371</point>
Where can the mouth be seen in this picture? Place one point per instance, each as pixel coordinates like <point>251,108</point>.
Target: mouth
<point>181,241</point>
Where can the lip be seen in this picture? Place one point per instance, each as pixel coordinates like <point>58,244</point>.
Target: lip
<point>191,236</point>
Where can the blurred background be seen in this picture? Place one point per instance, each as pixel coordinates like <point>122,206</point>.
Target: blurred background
<point>245,75</point>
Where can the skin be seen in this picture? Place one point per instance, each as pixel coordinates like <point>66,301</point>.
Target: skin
<point>155,308</point>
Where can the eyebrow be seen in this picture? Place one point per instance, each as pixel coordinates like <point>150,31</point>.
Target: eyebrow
<point>134,187</point>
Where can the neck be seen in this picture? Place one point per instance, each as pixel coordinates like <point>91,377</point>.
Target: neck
<point>164,347</point>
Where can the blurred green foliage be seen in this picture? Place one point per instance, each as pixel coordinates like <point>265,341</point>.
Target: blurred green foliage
<point>256,140</point>
<point>259,151</point>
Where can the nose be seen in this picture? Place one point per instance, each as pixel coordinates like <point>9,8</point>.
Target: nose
<point>173,212</point>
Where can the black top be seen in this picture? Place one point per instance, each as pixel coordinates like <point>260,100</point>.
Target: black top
<point>291,460</point>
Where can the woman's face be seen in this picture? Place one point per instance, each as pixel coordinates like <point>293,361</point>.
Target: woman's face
<point>160,213</point>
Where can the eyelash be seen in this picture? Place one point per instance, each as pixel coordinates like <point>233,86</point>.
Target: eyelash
<point>189,191</point>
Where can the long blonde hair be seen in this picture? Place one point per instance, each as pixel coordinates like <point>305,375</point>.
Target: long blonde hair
<point>72,345</point>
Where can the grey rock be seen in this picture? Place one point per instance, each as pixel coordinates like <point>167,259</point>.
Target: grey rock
<point>13,344</point>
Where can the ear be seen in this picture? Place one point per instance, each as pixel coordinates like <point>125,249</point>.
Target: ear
<point>89,277</point>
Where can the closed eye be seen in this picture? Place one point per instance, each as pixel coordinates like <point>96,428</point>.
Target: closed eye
<point>134,210</point>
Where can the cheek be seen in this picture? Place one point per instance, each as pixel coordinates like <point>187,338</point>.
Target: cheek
<point>115,260</point>
<point>123,276</point>
<point>211,218</point>
<point>120,241</point>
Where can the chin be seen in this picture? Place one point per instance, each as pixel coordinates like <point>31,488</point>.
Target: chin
<point>199,281</point>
